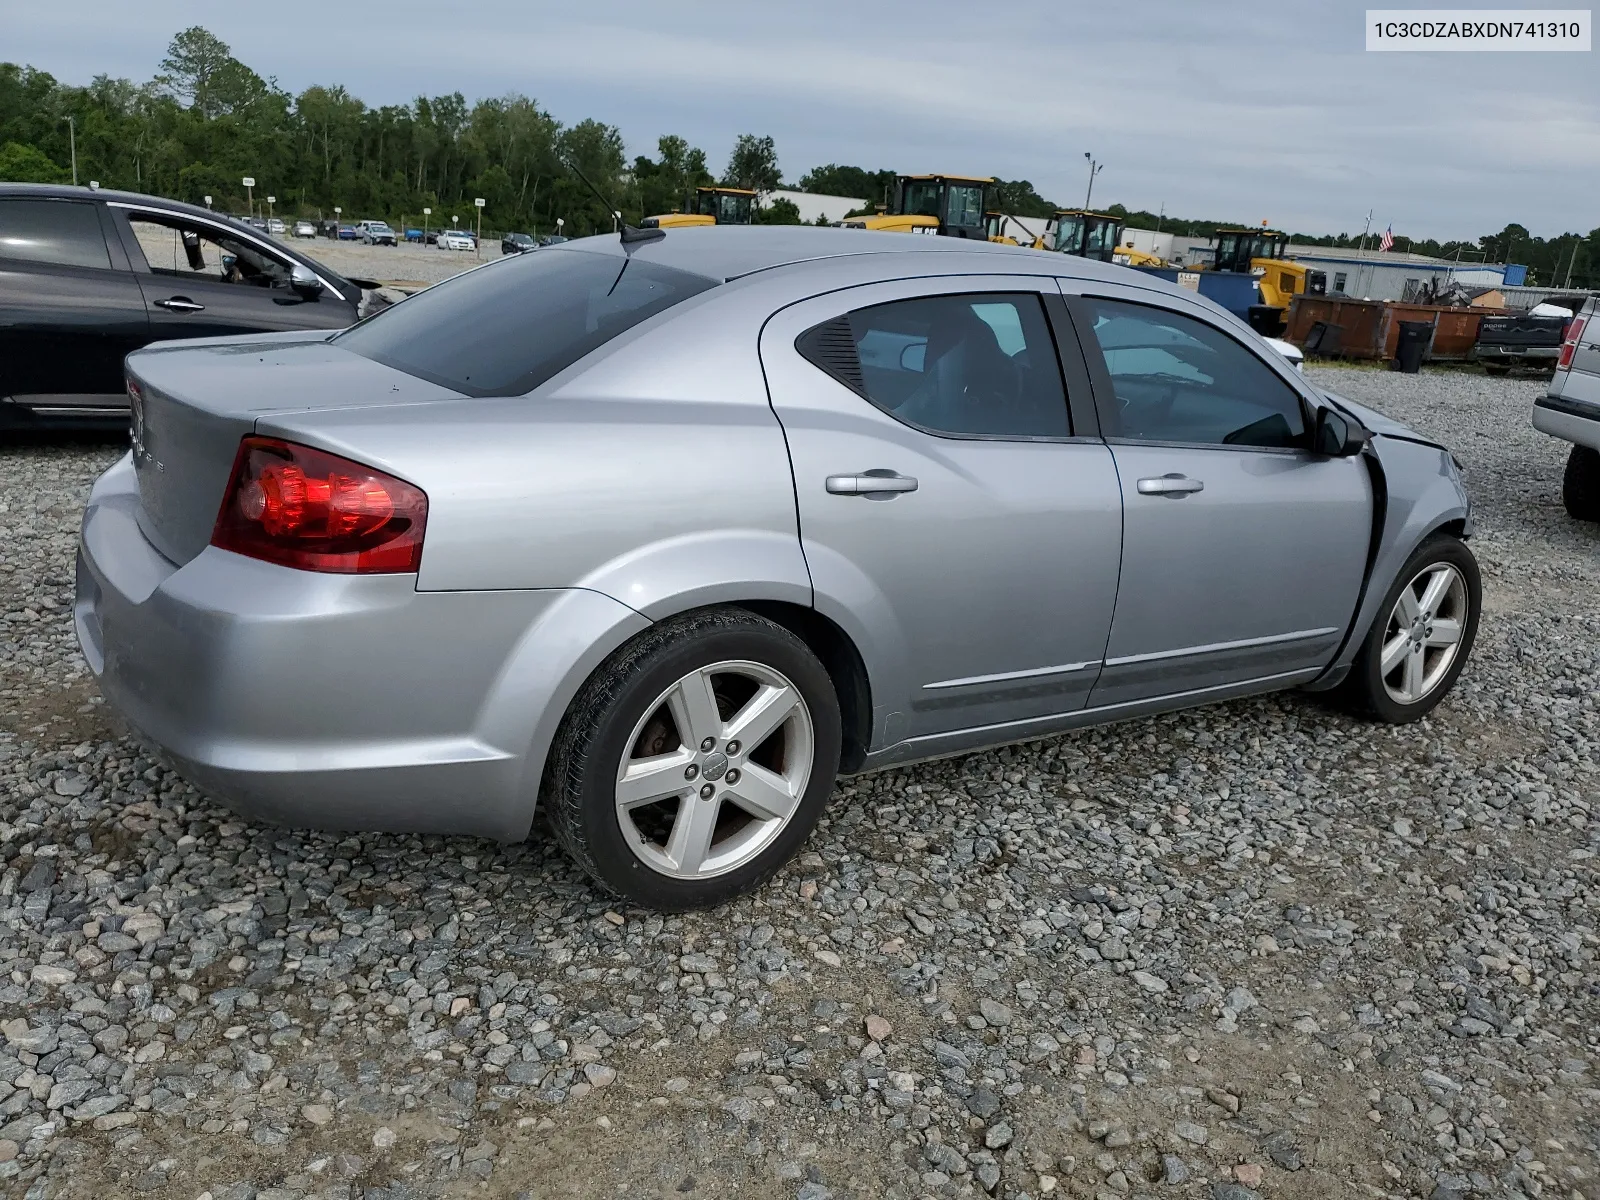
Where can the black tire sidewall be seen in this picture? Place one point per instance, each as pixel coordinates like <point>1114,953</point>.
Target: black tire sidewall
<point>1368,674</point>
<point>1580,484</point>
<point>610,857</point>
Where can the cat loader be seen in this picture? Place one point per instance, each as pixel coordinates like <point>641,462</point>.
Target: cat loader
<point>711,206</point>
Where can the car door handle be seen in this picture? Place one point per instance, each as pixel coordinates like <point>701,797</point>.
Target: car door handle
<point>1170,485</point>
<point>181,304</point>
<point>870,483</point>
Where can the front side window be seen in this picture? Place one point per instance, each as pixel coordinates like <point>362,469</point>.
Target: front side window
<point>191,250</point>
<point>1069,235</point>
<point>921,198</point>
<point>1102,240</point>
<point>966,206</point>
<point>1178,379</point>
<point>972,365</point>
<point>65,232</point>
<point>733,210</point>
<point>505,329</point>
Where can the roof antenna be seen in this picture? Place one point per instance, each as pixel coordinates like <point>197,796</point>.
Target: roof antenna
<point>630,235</point>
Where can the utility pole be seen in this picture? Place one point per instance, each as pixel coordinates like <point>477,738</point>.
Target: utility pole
<point>72,140</point>
<point>1570,261</point>
<point>1161,215</point>
<point>1094,169</point>
<point>1362,251</point>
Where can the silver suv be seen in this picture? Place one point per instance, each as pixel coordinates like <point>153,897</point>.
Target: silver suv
<point>1571,412</point>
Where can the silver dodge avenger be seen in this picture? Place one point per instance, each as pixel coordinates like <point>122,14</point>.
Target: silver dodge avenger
<point>665,531</point>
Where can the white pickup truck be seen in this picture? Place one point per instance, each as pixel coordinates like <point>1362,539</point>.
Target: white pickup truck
<point>1571,411</point>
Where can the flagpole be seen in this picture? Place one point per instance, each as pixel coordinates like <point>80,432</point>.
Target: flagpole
<point>1362,252</point>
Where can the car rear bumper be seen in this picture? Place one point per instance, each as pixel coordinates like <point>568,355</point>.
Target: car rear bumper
<point>332,701</point>
<point>1570,420</point>
<point>1515,354</point>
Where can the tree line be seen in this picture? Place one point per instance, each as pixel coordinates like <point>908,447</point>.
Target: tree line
<point>207,120</point>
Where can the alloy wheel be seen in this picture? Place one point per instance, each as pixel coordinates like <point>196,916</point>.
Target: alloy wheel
<point>714,770</point>
<point>1423,634</point>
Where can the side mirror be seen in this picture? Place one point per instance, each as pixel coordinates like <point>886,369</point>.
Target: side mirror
<point>1337,436</point>
<point>304,281</point>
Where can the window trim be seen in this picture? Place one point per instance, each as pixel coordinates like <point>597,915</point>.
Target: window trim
<point>109,245</point>
<point>1063,372</point>
<point>245,233</point>
<point>1078,308</point>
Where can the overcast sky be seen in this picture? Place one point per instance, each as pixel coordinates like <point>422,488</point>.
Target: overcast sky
<point>1223,110</point>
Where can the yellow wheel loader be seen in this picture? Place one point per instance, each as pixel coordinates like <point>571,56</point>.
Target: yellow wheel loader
<point>946,205</point>
<point>1264,254</point>
<point>711,206</point>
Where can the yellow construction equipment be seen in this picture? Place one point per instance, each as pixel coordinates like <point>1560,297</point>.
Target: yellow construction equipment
<point>711,206</point>
<point>1264,254</point>
<point>1083,233</point>
<point>947,205</point>
<point>1129,255</point>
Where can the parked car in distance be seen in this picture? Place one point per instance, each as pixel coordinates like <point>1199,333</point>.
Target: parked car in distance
<point>348,233</point>
<point>1150,510</point>
<point>274,225</point>
<point>517,243</point>
<point>375,233</point>
<point>456,239</point>
<point>257,223</point>
<point>413,235</point>
<point>1530,339</point>
<point>87,276</point>
<point>1570,410</point>
<point>551,239</point>
<point>1292,354</point>
<point>304,229</point>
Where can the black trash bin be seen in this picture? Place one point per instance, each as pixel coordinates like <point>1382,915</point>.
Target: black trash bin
<point>1412,345</point>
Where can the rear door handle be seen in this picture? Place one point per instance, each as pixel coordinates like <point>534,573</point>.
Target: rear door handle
<point>181,304</point>
<point>1170,485</point>
<point>870,483</point>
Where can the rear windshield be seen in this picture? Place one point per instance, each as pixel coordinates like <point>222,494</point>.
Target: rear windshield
<point>505,329</point>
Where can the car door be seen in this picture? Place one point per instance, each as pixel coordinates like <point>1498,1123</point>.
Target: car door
<point>951,516</point>
<point>204,279</point>
<point>69,309</point>
<point>1243,552</point>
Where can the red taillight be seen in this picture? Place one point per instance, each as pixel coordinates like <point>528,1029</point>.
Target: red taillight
<point>1569,344</point>
<point>299,507</point>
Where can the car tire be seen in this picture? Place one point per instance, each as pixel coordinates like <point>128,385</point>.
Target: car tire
<point>1418,679</point>
<point>1580,485</point>
<point>709,817</point>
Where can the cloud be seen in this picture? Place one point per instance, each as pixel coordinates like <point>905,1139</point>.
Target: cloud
<point>1226,110</point>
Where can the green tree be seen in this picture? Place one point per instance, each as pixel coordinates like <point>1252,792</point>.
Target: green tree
<point>753,164</point>
<point>195,60</point>
<point>874,187</point>
<point>782,211</point>
<point>24,164</point>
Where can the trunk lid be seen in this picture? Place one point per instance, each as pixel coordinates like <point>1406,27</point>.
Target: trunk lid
<point>1521,331</point>
<point>193,401</point>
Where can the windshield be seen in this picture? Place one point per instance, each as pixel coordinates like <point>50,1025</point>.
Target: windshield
<point>920,198</point>
<point>1069,235</point>
<point>1102,240</point>
<point>733,210</point>
<point>505,329</point>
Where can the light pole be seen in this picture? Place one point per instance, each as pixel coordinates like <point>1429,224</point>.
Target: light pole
<point>249,193</point>
<point>336,211</point>
<point>208,202</point>
<point>477,251</point>
<point>72,141</point>
<point>426,213</point>
<point>270,201</point>
<point>560,221</point>
<point>1094,169</point>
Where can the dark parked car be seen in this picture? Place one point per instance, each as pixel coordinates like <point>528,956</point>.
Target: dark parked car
<point>517,243</point>
<point>551,239</point>
<point>87,276</point>
<point>348,233</point>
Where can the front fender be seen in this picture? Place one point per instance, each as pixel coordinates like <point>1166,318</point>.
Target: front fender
<point>1423,493</point>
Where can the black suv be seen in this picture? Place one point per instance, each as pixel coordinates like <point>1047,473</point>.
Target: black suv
<point>517,243</point>
<point>86,276</point>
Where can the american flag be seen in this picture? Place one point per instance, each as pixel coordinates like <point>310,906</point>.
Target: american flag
<point>1387,240</point>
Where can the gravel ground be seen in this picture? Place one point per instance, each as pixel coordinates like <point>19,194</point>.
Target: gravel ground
<point>403,264</point>
<point>1253,950</point>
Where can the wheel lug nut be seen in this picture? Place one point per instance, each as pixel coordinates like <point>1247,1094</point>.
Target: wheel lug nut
<point>707,791</point>
<point>691,771</point>
<point>733,776</point>
<point>733,747</point>
<point>708,745</point>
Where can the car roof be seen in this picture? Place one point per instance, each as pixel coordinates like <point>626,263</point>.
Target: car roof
<point>725,252</point>
<point>67,191</point>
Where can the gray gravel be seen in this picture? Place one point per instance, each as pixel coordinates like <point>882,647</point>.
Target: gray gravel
<point>1255,950</point>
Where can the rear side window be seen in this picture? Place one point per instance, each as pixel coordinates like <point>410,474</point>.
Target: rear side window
<point>53,231</point>
<point>971,365</point>
<point>505,329</point>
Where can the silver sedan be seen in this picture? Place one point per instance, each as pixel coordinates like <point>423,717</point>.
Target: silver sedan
<point>667,531</point>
